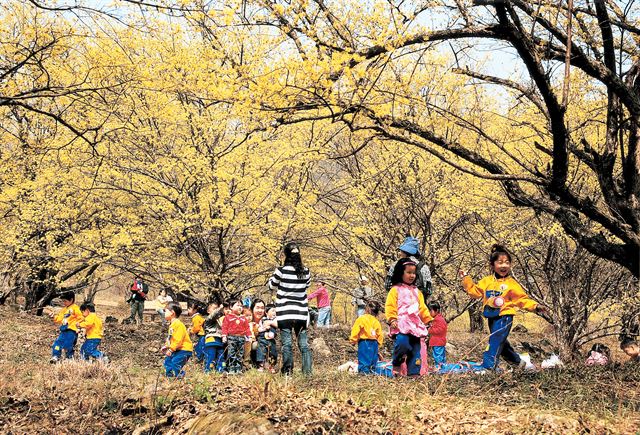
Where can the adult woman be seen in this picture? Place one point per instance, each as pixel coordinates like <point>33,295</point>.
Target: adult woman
<point>162,300</point>
<point>257,310</point>
<point>292,311</point>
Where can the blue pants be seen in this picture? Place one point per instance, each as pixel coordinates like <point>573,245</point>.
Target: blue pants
<point>407,346</point>
<point>299,327</point>
<point>213,356</point>
<point>66,341</point>
<point>498,344</point>
<point>235,353</point>
<point>198,349</point>
<point>173,364</point>
<point>324,316</point>
<point>367,356</point>
<point>439,355</point>
<point>266,351</point>
<point>89,348</point>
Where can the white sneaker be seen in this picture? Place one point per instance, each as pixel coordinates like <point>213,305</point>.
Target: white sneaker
<point>525,362</point>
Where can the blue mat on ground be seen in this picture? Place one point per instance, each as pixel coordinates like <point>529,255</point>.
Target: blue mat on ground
<point>460,367</point>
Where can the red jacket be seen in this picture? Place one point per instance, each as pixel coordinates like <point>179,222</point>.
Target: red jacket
<point>438,331</point>
<point>235,325</point>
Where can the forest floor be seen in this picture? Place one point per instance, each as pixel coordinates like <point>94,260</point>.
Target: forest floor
<point>130,394</point>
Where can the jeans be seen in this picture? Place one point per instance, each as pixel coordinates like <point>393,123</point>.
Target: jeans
<point>89,349</point>
<point>235,353</point>
<point>324,316</point>
<point>367,356</point>
<point>266,351</point>
<point>198,349</point>
<point>213,356</point>
<point>439,355</point>
<point>66,341</point>
<point>407,347</point>
<point>498,343</point>
<point>137,307</point>
<point>173,364</point>
<point>286,337</point>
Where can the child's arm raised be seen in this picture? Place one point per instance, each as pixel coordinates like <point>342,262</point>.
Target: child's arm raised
<point>469,286</point>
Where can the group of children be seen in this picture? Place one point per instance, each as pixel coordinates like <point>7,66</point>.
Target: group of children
<point>224,338</point>
<point>71,320</point>
<point>226,333</point>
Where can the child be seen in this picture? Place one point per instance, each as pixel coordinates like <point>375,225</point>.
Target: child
<point>235,332</point>
<point>406,315</point>
<point>501,294</point>
<point>437,335</point>
<point>213,346</point>
<point>197,320</point>
<point>93,330</point>
<point>267,354</point>
<point>631,348</point>
<point>68,319</point>
<point>178,347</point>
<point>598,355</point>
<point>367,333</point>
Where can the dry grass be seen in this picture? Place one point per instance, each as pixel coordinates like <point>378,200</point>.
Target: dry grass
<point>130,393</point>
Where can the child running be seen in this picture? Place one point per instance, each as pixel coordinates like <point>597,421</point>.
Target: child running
<point>235,332</point>
<point>367,333</point>
<point>501,294</point>
<point>406,315</point>
<point>92,325</point>
<point>178,347</point>
<point>437,335</point>
<point>68,319</point>
<point>213,345</point>
<point>197,320</point>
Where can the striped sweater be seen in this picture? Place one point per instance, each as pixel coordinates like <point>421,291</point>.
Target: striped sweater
<point>291,295</point>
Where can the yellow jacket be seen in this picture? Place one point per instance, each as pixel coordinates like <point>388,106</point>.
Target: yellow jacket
<point>178,338</point>
<point>366,327</point>
<point>69,316</point>
<point>391,307</point>
<point>196,324</point>
<point>93,325</point>
<point>508,288</point>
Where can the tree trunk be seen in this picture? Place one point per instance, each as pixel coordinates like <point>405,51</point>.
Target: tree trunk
<point>476,322</point>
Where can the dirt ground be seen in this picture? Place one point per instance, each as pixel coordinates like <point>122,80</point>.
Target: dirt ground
<point>130,394</point>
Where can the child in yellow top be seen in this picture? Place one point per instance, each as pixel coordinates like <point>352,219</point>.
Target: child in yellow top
<point>68,319</point>
<point>367,333</point>
<point>92,325</point>
<point>197,329</point>
<point>407,316</point>
<point>501,294</point>
<point>178,347</point>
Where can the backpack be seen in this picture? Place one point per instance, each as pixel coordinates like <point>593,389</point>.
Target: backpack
<point>424,287</point>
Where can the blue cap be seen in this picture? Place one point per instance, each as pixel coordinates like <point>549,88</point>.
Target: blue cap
<point>410,246</point>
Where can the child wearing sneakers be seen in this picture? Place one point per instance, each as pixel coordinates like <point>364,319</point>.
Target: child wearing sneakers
<point>235,332</point>
<point>266,354</point>
<point>178,348</point>
<point>213,345</point>
<point>437,335</point>
<point>501,295</point>
<point>92,325</point>
<point>68,319</point>
<point>367,334</point>
<point>197,321</point>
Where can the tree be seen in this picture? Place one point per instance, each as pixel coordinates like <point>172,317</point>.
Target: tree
<point>366,67</point>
